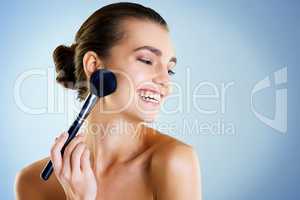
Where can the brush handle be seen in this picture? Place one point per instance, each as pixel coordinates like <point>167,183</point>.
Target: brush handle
<point>87,107</point>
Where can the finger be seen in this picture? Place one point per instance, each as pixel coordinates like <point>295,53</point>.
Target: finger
<point>76,156</point>
<point>67,154</point>
<point>85,160</point>
<point>56,152</point>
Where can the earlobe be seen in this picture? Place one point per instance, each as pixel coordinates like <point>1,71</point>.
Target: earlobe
<point>91,62</point>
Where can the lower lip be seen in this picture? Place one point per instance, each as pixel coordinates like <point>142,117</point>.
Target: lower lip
<point>149,102</point>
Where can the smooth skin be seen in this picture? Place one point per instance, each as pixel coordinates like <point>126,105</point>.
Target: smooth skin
<point>139,163</point>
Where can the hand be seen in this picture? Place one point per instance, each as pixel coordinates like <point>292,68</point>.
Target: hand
<point>73,169</point>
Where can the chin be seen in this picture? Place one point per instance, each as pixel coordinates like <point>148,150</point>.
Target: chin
<point>149,120</point>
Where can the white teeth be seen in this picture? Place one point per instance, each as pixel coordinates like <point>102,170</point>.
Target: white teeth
<point>151,100</point>
<point>150,96</point>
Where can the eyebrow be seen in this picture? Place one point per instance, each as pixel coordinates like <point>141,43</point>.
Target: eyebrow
<point>155,51</point>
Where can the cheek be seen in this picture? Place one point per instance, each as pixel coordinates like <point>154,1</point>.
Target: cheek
<point>129,78</point>
<point>142,76</point>
<point>134,76</point>
<point>126,86</point>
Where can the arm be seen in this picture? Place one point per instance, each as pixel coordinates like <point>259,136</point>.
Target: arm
<point>25,187</point>
<point>175,171</point>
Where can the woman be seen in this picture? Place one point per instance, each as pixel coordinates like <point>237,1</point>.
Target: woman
<point>108,161</point>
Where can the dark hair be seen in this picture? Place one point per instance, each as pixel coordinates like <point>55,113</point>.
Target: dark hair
<point>99,33</point>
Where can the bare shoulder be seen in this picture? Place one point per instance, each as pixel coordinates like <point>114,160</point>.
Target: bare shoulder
<point>173,164</point>
<point>172,153</point>
<point>29,185</point>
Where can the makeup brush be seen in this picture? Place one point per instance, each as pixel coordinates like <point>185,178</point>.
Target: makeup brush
<point>102,83</point>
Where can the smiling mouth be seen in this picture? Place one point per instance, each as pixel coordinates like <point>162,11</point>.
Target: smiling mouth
<point>150,96</point>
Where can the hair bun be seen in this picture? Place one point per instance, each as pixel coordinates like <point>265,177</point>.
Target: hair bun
<point>63,57</point>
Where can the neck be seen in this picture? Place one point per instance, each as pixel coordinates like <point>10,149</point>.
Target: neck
<point>112,139</point>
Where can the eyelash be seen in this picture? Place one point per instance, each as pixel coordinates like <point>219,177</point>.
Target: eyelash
<point>148,62</point>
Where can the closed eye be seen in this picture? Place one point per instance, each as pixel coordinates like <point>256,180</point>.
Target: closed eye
<point>148,62</point>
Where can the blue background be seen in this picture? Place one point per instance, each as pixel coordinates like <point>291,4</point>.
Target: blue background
<point>218,41</point>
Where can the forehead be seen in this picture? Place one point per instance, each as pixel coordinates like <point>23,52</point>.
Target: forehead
<point>146,33</point>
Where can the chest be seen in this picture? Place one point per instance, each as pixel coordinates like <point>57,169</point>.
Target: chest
<point>125,182</point>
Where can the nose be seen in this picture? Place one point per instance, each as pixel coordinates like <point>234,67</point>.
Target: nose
<point>162,76</point>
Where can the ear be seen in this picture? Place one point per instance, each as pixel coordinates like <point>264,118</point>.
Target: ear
<point>91,62</point>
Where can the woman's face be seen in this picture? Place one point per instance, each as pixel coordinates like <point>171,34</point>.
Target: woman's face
<point>143,62</point>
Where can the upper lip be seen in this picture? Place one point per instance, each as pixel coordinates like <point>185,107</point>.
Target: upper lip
<point>153,90</point>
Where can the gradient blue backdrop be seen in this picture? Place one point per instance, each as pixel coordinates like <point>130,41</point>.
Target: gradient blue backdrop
<point>218,41</point>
